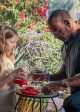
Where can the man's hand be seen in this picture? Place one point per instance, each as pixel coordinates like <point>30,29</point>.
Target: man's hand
<point>52,87</point>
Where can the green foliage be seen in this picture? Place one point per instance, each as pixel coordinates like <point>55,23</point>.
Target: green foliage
<point>37,48</point>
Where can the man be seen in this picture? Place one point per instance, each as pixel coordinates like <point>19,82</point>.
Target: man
<point>67,30</point>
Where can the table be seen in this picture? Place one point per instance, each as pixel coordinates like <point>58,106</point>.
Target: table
<point>39,96</point>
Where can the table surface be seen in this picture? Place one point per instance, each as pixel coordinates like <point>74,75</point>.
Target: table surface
<point>40,95</point>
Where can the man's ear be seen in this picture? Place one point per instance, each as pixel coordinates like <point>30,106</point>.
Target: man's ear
<point>67,23</point>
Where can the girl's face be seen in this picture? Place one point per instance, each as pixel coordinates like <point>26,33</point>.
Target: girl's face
<point>10,44</point>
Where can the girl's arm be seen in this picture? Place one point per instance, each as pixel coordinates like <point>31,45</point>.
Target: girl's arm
<point>5,79</point>
<point>8,77</point>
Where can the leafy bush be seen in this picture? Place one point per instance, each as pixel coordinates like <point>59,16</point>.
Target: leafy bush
<point>37,48</point>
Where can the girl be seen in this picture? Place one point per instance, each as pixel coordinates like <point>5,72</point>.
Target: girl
<point>8,40</point>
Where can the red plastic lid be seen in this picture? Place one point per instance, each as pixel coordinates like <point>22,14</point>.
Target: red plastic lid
<point>29,91</point>
<point>20,81</point>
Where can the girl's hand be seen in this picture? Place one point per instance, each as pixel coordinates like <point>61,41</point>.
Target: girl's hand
<point>18,73</point>
<point>8,76</point>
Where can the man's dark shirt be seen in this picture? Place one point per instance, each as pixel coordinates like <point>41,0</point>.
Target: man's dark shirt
<point>71,56</point>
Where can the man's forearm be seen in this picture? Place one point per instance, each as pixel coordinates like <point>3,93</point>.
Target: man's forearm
<point>74,81</point>
<point>58,76</point>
